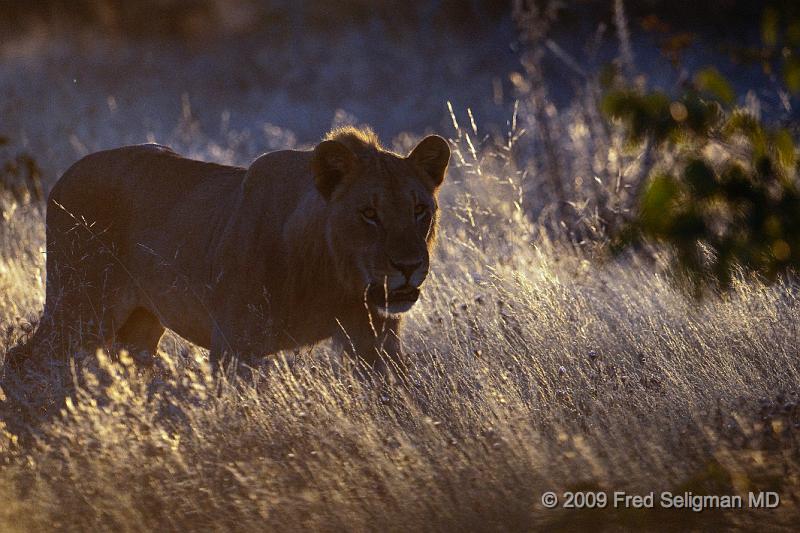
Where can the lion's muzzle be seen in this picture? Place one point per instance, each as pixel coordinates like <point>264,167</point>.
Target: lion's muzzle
<point>394,301</point>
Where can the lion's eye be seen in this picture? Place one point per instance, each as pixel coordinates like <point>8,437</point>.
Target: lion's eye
<point>370,214</point>
<point>420,210</point>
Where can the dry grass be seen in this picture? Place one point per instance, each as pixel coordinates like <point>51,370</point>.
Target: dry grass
<point>536,366</point>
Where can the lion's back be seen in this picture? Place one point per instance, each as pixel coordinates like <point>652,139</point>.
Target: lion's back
<point>140,196</point>
<point>141,177</point>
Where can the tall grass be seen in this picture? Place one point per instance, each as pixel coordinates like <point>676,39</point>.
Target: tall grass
<point>535,365</point>
<point>533,368</point>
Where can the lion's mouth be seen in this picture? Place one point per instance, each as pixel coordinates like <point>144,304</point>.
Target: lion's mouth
<point>402,296</point>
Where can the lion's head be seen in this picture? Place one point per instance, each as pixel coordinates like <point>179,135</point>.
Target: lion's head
<point>382,213</point>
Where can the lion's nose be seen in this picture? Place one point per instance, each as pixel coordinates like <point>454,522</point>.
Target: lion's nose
<point>407,268</point>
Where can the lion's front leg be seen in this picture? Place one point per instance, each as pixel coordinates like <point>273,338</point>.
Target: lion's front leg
<point>239,340</point>
<point>242,330</point>
<point>372,341</point>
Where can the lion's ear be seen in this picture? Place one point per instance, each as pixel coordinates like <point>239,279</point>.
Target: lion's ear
<point>332,161</point>
<point>432,154</point>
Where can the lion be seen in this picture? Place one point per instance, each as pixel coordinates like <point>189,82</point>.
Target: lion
<point>300,247</point>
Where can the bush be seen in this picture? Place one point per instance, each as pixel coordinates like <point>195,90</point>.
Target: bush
<point>723,189</point>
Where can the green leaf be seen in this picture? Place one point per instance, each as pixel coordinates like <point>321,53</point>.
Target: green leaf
<point>645,116</point>
<point>702,115</point>
<point>609,75</point>
<point>769,26</point>
<point>793,33</point>
<point>741,122</point>
<point>784,145</point>
<point>657,202</point>
<point>791,74</point>
<point>711,81</point>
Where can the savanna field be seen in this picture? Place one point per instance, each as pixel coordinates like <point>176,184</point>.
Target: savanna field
<point>539,360</point>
